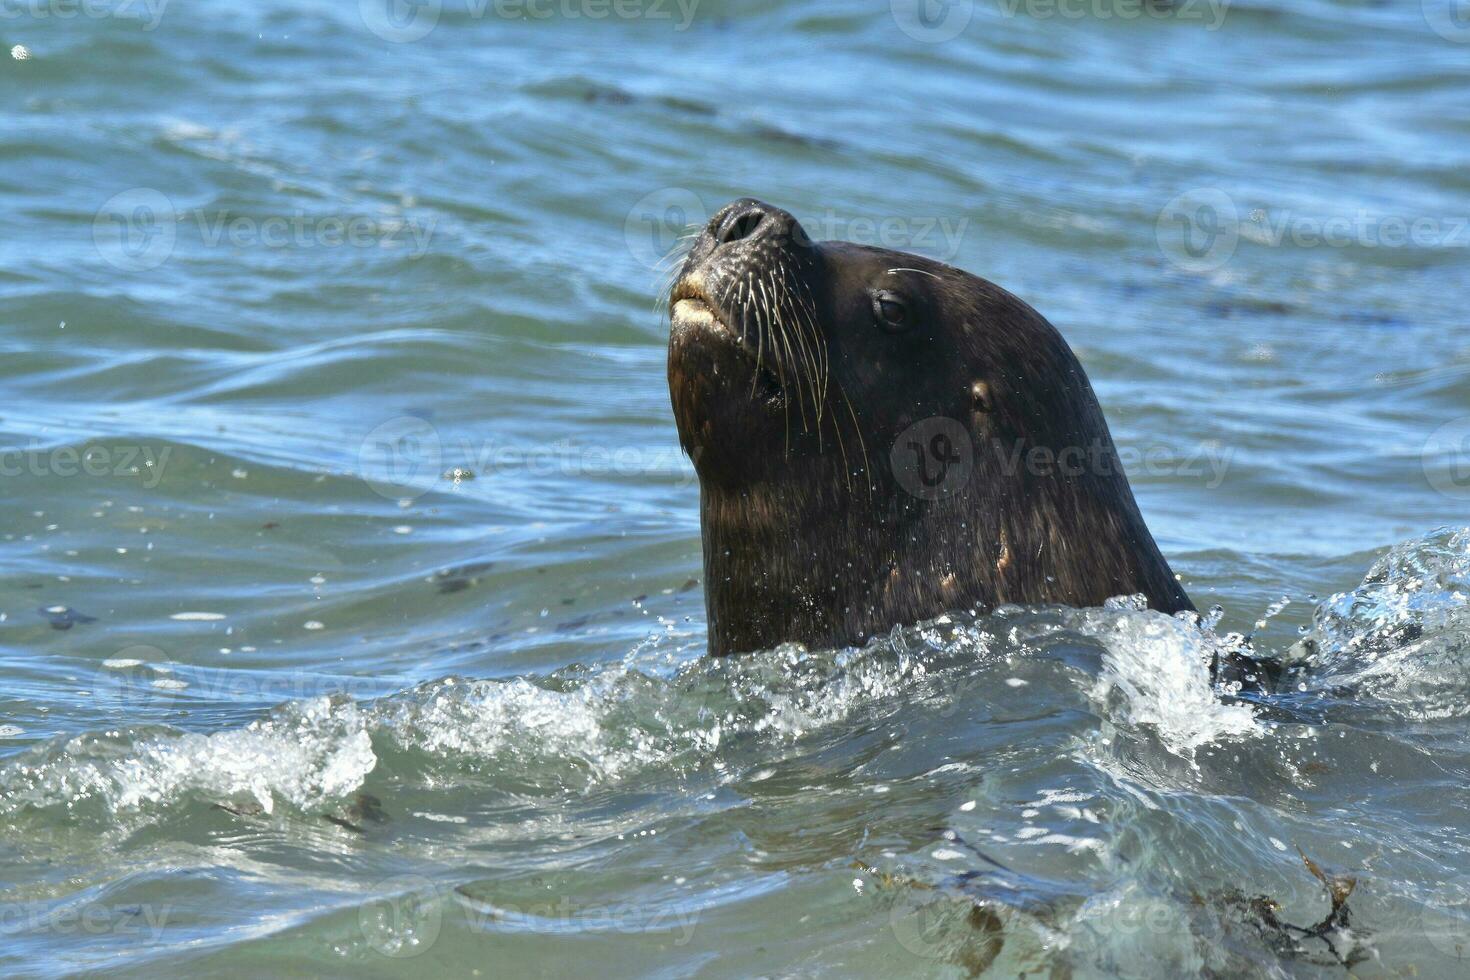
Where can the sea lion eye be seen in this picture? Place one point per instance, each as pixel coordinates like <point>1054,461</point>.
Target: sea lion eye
<point>890,310</point>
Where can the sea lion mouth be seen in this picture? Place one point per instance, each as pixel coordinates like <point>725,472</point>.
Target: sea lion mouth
<point>694,313</point>
<point>690,306</point>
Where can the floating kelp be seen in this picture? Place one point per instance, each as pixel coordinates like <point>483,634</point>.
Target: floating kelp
<point>1340,945</point>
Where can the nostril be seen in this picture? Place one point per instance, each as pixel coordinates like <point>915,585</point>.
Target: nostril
<point>739,224</point>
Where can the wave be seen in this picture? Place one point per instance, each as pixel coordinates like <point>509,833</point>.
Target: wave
<point>664,711</point>
<point>1402,637</point>
<point>1088,748</point>
<point>656,713</point>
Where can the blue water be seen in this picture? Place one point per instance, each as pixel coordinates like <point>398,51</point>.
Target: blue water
<point>351,616</point>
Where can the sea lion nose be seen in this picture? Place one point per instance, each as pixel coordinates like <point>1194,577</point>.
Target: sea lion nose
<point>749,219</point>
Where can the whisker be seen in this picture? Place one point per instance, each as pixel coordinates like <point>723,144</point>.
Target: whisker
<point>804,318</point>
<point>777,309</point>
<point>669,276</point>
<point>863,443</point>
<point>822,366</point>
<point>812,346</point>
<point>760,338</point>
<point>800,347</point>
<point>780,370</point>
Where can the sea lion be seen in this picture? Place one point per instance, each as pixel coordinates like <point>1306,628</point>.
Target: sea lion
<point>881,438</point>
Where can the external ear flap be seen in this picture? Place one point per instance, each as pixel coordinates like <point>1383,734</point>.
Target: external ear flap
<point>980,397</point>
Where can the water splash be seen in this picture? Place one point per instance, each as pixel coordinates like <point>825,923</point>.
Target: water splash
<point>666,711</point>
<point>1403,635</point>
<point>1160,665</point>
<point>652,713</point>
<point>303,754</point>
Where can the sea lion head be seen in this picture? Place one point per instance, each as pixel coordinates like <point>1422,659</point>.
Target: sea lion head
<point>881,437</point>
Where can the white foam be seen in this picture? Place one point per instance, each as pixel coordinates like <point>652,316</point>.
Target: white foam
<point>306,754</point>
<point>1161,667</point>
<point>1402,634</point>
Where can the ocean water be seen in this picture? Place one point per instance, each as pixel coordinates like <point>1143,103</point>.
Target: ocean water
<point>350,603</point>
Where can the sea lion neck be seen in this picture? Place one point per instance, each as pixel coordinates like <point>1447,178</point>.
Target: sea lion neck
<point>810,565</point>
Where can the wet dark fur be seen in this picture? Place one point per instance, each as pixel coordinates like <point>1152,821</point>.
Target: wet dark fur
<point>809,532</point>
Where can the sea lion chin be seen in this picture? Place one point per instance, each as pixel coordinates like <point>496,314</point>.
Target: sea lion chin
<point>880,438</point>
